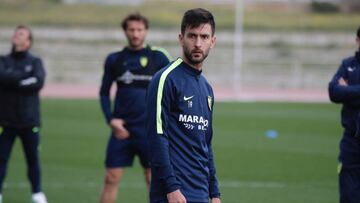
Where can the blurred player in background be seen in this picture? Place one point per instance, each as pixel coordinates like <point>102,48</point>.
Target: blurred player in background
<point>21,77</point>
<point>180,106</point>
<point>131,69</point>
<point>344,88</point>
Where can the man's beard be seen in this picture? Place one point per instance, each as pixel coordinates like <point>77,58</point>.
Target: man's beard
<point>137,44</point>
<point>14,48</point>
<point>191,59</point>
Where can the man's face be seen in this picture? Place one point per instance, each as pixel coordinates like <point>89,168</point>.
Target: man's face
<point>197,42</point>
<point>136,33</point>
<point>20,39</point>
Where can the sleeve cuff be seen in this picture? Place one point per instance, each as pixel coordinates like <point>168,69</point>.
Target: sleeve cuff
<point>216,195</point>
<point>171,185</point>
<point>108,119</point>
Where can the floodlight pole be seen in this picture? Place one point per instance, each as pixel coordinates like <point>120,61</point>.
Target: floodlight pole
<point>238,43</point>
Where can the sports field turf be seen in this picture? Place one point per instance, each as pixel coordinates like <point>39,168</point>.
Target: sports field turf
<point>299,166</point>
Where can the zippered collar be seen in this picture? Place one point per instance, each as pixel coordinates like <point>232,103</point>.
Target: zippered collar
<point>146,47</point>
<point>190,70</point>
<point>18,54</point>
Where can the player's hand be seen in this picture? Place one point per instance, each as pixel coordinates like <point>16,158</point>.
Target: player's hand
<point>118,128</point>
<point>215,200</point>
<point>176,197</point>
<point>342,82</point>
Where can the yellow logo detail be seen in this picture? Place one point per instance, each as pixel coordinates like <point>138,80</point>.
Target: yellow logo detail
<point>339,168</point>
<point>144,61</point>
<point>209,99</point>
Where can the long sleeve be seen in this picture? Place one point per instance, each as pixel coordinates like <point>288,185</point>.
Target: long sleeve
<point>106,83</point>
<point>213,182</point>
<point>353,104</point>
<point>158,103</point>
<point>343,94</point>
<point>35,81</point>
<point>9,77</point>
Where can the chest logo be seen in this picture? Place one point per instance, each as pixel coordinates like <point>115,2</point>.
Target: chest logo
<point>191,122</point>
<point>351,69</point>
<point>209,100</point>
<point>188,98</point>
<point>129,77</point>
<point>28,68</point>
<point>144,61</point>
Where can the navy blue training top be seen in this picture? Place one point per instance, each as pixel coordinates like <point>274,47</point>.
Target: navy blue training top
<point>180,105</point>
<point>132,72</point>
<point>349,97</point>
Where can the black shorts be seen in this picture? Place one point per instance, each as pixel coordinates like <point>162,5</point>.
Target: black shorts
<point>121,153</point>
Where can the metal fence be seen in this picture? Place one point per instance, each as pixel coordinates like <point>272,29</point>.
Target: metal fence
<point>304,61</point>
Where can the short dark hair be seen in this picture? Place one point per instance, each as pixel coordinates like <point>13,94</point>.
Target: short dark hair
<point>358,32</point>
<point>26,28</point>
<point>195,17</point>
<point>134,17</point>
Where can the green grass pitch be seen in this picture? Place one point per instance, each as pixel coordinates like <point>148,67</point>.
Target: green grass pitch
<point>298,166</point>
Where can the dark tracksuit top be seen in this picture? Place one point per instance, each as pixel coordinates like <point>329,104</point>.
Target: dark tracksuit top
<point>349,97</point>
<point>22,75</point>
<point>132,72</point>
<point>180,105</point>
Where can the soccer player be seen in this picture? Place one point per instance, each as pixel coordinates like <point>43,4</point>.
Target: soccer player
<point>344,88</point>
<point>180,107</point>
<point>132,69</point>
<point>21,77</point>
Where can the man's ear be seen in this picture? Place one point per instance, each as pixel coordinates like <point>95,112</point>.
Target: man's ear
<point>180,38</point>
<point>213,41</point>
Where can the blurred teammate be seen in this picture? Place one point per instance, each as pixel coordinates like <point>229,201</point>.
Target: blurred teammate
<point>132,69</point>
<point>180,106</point>
<point>21,77</point>
<point>344,88</point>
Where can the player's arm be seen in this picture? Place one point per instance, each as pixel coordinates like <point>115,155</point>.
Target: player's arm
<point>9,77</point>
<point>214,192</point>
<point>339,91</point>
<point>106,83</point>
<point>35,81</point>
<point>158,111</point>
<point>116,124</point>
<point>353,104</point>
